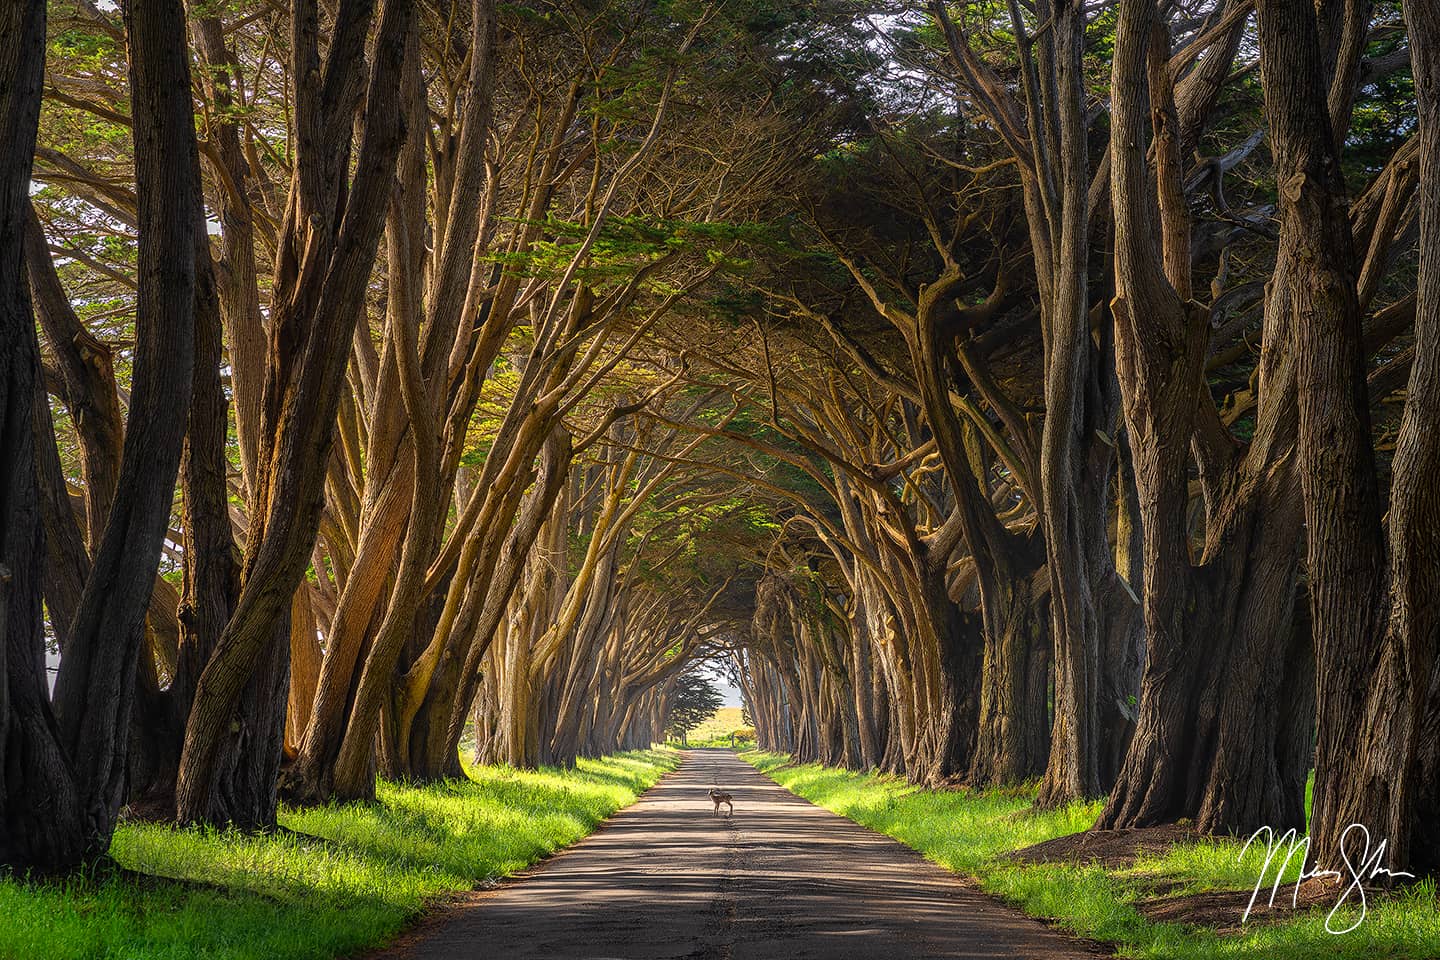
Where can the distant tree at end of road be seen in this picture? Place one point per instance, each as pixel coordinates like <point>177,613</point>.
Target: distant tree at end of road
<point>692,700</point>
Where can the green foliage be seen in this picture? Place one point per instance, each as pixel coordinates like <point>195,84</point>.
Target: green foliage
<point>336,881</point>
<point>694,700</point>
<point>626,244</point>
<point>971,833</point>
<point>1384,114</point>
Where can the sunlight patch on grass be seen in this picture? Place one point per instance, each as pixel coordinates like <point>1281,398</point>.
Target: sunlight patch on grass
<point>342,878</point>
<point>970,833</point>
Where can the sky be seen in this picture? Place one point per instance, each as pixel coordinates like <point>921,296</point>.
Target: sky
<point>728,690</point>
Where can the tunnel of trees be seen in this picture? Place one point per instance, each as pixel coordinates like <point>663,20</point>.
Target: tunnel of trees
<point>996,392</point>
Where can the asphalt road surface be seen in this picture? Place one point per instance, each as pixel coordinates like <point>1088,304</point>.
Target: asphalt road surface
<point>781,879</point>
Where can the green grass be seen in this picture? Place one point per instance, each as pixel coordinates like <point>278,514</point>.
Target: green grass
<point>347,877</point>
<point>970,832</point>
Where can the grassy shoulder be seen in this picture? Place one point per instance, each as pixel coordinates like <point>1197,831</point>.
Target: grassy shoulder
<point>338,879</point>
<point>971,834</point>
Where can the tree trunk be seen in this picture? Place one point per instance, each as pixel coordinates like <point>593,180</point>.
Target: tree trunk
<point>1206,746</point>
<point>236,285</point>
<point>1374,621</point>
<point>75,763</point>
<point>88,377</point>
<point>158,729</point>
<point>67,561</point>
<point>324,266</point>
<point>305,659</point>
<point>1014,733</point>
<point>41,822</point>
<point>953,725</point>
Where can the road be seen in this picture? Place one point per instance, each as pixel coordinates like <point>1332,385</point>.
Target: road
<point>780,880</point>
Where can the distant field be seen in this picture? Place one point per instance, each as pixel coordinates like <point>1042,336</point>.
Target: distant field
<point>719,724</point>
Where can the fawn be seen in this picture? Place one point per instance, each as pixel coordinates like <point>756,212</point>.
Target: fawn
<point>720,796</point>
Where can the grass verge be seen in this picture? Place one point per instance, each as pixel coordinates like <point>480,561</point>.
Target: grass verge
<point>343,879</point>
<point>970,833</point>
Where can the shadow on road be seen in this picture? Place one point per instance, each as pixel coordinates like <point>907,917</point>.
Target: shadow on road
<point>780,880</point>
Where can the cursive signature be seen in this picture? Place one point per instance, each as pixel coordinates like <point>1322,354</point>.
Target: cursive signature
<point>1367,867</point>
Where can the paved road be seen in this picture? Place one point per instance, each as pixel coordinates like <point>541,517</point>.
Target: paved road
<point>781,880</point>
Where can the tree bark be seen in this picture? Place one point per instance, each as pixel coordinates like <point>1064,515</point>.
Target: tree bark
<point>209,563</point>
<point>81,771</point>
<point>95,687</point>
<point>1014,721</point>
<point>89,382</point>
<point>235,277</point>
<point>42,825</point>
<point>324,265</point>
<point>1207,745</point>
<point>1374,621</point>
